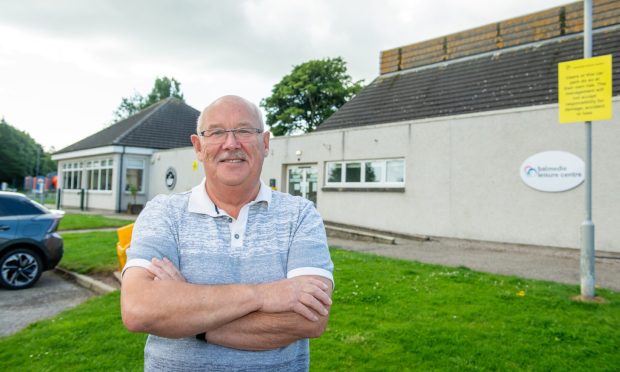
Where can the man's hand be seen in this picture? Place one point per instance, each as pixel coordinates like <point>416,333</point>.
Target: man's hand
<point>164,270</point>
<point>302,294</point>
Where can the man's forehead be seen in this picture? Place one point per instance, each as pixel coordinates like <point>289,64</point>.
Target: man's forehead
<point>227,112</point>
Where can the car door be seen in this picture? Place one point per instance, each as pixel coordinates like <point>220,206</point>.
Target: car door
<point>8,225</point>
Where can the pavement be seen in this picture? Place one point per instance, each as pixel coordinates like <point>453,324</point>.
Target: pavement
<point>533,262</point>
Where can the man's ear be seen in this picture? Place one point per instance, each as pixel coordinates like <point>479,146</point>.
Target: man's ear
<point>197,146</point>
<point>266,136</point>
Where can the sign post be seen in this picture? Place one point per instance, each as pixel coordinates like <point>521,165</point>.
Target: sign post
<point>584,94</point>
<point>587,227</point>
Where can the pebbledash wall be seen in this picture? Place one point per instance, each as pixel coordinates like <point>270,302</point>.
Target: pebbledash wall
<point>462,177</point>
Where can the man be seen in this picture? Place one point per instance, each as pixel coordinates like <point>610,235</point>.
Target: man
<point>230,276</point>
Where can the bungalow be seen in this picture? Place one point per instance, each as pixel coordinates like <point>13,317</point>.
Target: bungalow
<point>110,169</point>
<point>459,137</point>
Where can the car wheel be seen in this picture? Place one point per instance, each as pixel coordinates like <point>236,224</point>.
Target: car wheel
<point>19,268</point>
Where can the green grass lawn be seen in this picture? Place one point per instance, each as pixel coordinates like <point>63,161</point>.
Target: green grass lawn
<point>90,337</point>
<point>76,221</point>
<point>388,315</point>
<point>93,252</point>
<point>398,315</point>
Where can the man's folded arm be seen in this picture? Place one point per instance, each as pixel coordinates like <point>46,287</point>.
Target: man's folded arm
<point>264,331</point>
<point>177,309</point>
<point>174,308</point>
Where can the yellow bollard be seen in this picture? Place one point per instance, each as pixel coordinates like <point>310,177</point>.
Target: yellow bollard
<point>124,241</point>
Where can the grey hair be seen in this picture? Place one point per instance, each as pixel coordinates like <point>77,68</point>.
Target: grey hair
<point>252,106</point>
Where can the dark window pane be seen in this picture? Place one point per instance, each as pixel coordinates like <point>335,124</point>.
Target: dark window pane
<point>354,172</point>
<point>18,207</point>
<point>109,180</point>
<point>134,177</point>
<point>373,171</point>
<point>334,172</point>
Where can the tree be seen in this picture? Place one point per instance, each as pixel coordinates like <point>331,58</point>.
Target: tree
<point>311,93</point>
<point>163,88</point>
<point>18,155</point>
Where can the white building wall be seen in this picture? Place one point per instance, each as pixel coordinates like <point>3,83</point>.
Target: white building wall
<point>181,160</point>
<point>462,177</point>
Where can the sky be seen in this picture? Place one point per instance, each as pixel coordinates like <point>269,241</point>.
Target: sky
<point>66,64</point>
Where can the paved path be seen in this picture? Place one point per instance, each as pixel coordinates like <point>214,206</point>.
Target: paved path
<point>49,296</point>
<point>554,264</point>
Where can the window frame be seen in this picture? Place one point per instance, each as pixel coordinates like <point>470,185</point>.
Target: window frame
<point>135,166</point>
<point>381,183</point>
<point>82,173</point>
<point>72,175</point>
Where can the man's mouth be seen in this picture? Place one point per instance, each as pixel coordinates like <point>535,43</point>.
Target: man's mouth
<point>232,157</point>
<point>232,160</point>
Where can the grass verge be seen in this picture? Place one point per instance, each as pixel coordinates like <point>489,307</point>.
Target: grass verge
<point>76,221</point>
<point>93,252</point>
<point>393,315</point>
<point>89,337</point>
<point>388,315</point>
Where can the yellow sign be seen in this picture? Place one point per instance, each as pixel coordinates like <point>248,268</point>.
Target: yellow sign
<point>584,89</point>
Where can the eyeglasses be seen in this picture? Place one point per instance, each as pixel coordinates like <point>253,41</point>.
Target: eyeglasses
<point>219,135</point>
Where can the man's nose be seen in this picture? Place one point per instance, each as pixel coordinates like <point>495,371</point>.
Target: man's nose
<point>231,141</point>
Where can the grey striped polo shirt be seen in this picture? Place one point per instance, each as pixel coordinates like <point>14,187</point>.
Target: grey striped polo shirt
<point>274,237</point>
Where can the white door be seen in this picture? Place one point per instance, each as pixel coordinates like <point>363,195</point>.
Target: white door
<point>302,180</point>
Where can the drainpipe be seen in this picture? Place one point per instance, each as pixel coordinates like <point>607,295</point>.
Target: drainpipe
<point>120,183</point>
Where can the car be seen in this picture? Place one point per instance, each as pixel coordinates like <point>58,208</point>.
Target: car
<point>29,243</point>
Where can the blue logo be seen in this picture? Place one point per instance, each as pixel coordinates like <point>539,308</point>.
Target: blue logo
<point>530,171</point>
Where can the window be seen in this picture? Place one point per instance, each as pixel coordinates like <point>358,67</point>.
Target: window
<point>353,172</point>
<point>135,174</point>
<point>334,172</point>
<point>72,176</point>
<point>99,175</point>
<point>18,206</point>
<point>395,171</point>
<point>366,173</point>
<point>373,171</point>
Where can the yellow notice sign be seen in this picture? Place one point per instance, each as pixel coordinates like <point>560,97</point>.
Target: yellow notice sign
<point>584,89</point>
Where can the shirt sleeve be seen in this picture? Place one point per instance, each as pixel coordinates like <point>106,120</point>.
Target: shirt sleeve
<point>153,235</point>
<point>308,252</point>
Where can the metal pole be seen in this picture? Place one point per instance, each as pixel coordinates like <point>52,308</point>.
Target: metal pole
<point>587,227</point>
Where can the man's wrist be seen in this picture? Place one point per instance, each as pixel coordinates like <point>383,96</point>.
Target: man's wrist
<point>258,293</point>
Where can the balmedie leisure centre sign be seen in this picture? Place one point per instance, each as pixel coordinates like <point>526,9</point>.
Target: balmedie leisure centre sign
<point>553,171</point>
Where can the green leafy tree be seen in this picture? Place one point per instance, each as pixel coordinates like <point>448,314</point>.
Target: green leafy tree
<point>163,88</point>
<point>18,155</point>
<point>311,93</point>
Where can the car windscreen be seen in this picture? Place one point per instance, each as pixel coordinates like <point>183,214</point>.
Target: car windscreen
<point>16,206</point>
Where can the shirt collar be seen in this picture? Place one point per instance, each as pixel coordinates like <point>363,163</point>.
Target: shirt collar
<point>200,202</point>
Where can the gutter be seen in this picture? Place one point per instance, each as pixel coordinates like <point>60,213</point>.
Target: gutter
<point>120,183</point>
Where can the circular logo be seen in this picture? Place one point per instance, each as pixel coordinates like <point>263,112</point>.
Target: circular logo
<point>171,178</point>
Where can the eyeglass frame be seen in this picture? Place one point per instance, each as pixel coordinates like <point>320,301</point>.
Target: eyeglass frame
<point>233,131</point>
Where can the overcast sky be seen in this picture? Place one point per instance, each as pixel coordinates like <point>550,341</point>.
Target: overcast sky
<point>66,64</point>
